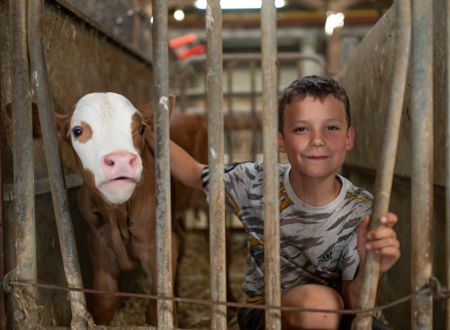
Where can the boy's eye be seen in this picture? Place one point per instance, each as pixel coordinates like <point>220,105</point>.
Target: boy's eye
<point>301,129</point>
<point>332,128</point>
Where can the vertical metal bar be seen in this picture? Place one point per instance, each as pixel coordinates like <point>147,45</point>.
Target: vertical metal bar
<point>229,132</point>
<point>271,175</point>
<point>334,52</point>
<point>255,138</point>
<point>422,160</point>
<point>214,107</point>
<point>447,168</point>
<point>162,163</point>
<point>385,173</point>
<point>2,232</point>
<point>24,207</point>
<point>59,195</point>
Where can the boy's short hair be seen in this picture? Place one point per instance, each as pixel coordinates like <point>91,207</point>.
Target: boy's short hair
<point>315,86</point>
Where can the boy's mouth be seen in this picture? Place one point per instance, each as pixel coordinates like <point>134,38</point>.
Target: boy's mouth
<point>317,157</point>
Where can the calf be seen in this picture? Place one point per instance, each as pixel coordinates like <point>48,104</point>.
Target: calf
<point>117,199</point>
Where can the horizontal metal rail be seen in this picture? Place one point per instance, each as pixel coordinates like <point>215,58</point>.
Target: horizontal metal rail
<point>42,186</point>
<point>249,57</point>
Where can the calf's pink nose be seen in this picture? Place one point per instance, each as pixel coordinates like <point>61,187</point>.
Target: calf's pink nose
<point>120,163</point>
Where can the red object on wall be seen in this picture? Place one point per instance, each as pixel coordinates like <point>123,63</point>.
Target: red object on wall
<point>186,46</point>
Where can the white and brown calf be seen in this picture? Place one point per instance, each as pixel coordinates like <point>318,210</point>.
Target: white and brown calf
<point>117,199</point>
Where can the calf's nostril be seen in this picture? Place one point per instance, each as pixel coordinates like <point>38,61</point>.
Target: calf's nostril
<point>109,162</point>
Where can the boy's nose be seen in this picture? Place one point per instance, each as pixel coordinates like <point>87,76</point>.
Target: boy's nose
<point>317,139</point>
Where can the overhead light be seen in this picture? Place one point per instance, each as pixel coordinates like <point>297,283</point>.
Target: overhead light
<point>239,4</point>
<point>334,20</point>
<point>178,15</point>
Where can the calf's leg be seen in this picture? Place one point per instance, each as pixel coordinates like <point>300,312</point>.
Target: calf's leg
<point>103,306</point>
<point>105,278</point>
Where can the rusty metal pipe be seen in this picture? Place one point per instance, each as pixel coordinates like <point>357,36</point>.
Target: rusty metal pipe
<point>2,233</point>
<point>385,173</point>
<point>255,135</point>
<point>422,160</point>
<point>64,225</point>
<point>230,96</point>
<point>214,102</point>
<point>162,164</point>
<point>271,175</point>
<point>447,169</point>
<point>24,205</point>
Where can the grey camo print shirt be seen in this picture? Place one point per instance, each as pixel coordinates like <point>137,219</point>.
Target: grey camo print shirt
<point>318,244</point>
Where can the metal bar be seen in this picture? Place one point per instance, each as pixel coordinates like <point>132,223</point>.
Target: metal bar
<point>255,137</point>
<point>271,175</point>
<point>422,160</point>
<point>256,57</point>
<point>66,236</point>
<point>42,186</point>
<point>385,173</point>
<point>214,106</point>
<point>447,169</point>
<point>162,164</point>
<point>229,132</point>
<point>2,232</point>
<point>24,206</point>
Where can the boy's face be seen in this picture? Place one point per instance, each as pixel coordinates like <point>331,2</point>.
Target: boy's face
<point>315,136</point>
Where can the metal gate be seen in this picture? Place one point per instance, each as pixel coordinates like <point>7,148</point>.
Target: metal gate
<point>27,43</point>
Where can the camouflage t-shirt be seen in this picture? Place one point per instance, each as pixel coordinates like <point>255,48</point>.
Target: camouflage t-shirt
<point>318,244</point>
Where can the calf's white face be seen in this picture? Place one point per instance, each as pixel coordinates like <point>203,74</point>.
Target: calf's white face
<point>106,133</point>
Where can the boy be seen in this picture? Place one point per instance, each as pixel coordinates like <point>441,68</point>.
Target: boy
<point>323,216</point>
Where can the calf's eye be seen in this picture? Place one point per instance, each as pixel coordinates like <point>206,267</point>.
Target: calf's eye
<point>77,131</point>
<point>141,129</point>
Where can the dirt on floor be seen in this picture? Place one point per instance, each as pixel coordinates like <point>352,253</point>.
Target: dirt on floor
<point>194,282</point>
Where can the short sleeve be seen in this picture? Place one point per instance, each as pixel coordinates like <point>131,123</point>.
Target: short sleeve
<point>238,179</point>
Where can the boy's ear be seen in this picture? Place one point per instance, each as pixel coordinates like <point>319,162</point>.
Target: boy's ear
<point>350,138</point>
<point>281,147</point>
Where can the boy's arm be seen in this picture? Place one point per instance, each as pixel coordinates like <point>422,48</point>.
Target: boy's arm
<point>185,168</point>
<point>382,241</point>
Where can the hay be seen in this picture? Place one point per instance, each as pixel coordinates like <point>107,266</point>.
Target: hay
<point>193,282</point>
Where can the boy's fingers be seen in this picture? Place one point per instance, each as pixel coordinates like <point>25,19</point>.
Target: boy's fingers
<point>389,219</point>
<point>381,232</point>
<point>390,242</point>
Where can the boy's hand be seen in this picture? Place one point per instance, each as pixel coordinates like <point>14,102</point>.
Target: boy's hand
<point>382,241</point>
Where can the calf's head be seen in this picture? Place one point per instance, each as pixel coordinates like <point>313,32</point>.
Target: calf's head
<point>109,135</point>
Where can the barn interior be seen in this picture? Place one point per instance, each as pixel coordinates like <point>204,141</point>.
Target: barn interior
<point>109,46</point>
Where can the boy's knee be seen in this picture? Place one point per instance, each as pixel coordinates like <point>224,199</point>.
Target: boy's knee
<point>311,297</point>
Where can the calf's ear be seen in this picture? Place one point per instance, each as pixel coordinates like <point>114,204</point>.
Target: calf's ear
<point>62,121</point>
<point>148,112</point>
